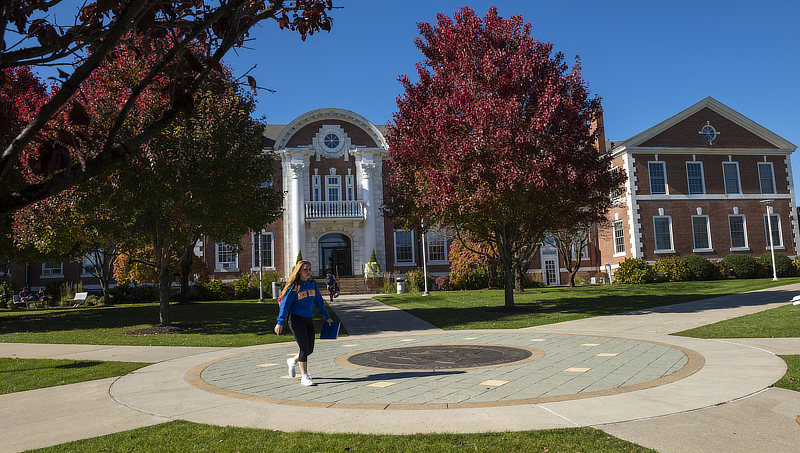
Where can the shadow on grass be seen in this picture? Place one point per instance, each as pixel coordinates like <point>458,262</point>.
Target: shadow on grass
<point>208,318</point>
<point>548,306</point>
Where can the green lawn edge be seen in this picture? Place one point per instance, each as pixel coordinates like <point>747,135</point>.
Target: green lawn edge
<point>188,437</point>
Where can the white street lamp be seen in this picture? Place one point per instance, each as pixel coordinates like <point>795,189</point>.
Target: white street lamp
<point>260,269</point>
<point>425,265</point>
<point>768,203</point>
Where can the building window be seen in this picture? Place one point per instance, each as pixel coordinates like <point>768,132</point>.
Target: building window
<point>619,237</point>
<point>738,232</point>
<point>766,177</point>
<point>658,178</point>
<point>776,230</point>
<point>226,256</point>
<point>403,247</point>
<point>437,246</point>
<point>694,174</point>
<point>262,247</point>
<point>616,193</point>
<point>730,170</point>
<point>5,268</point>
<point>351,192</point>
<point>316,191</point>
<point>663,233</point>
<point>701,233</point>
<point>334,186</point>
<point>90,266</point>
<point>52,268</point>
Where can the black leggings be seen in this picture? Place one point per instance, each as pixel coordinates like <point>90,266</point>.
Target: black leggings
<point>303,330</point>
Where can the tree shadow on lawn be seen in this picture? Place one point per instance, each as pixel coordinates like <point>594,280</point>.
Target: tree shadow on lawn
<point>533,310</point>
<point>206,318</point>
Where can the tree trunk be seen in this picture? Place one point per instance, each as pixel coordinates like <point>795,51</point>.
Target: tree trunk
<point>164,283</point>
<point>572,275</point>
<point>519,283</point>
<point>508,276</point>
<point>186,269</point>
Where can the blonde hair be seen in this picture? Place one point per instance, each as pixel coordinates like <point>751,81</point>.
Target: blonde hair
<point>294,279</point>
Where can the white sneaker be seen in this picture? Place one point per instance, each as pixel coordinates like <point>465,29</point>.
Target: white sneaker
<point>306,380</point>
<point>291,364</point>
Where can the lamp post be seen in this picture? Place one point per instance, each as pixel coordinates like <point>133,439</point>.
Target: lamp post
<point>260,270</point>
<point>425,265</point>
<point>768,203</point>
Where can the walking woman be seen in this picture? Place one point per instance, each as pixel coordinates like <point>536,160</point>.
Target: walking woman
<point>299,297</point>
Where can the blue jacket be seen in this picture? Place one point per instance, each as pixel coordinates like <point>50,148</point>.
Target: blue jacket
<point>302,303</point>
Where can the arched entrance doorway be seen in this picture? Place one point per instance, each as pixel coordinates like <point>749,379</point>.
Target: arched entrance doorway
<point>335,253</point>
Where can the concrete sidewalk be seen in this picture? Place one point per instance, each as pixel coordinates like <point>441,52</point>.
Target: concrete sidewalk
<point>727,404</point>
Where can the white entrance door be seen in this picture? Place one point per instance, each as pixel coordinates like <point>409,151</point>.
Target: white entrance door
<point>550,274</point>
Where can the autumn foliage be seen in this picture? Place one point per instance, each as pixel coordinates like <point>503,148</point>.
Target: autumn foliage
<point>184,41</point>
<point>495,139</point>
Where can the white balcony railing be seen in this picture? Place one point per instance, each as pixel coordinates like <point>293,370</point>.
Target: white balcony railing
<point>332,210</point>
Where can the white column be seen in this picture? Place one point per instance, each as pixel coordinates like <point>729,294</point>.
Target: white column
<point>369,206</point>
<point>298,210</point>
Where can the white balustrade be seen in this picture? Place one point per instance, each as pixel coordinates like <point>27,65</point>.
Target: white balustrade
<point>325,210</point>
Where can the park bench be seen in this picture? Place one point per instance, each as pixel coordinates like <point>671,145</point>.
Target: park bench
<point>18,300</point>
<point>79,299</point>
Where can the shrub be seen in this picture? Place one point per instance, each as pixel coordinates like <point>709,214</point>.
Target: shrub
<point>211,290</point>
<point>783,265</point>
<point>443,283</point>
<point>145,293</point>
<point>700,267</point>
<point>796,264</point>
<point>416,283</point>
<point>123,293</point>
<point>634,271</point>
<point>722,270</point>
<point>389,286</point>
<point>672,269</point>
<point>742,266</point>
<point>6,294</point>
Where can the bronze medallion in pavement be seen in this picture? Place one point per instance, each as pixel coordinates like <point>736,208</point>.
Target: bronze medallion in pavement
<point>442,357</point>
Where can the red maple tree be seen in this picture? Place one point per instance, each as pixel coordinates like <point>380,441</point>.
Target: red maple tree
<point>495,139</point>
<point>170,31</point>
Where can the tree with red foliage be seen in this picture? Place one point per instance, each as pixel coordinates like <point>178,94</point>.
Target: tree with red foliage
<point>496,139</point>
<point>172,31</point>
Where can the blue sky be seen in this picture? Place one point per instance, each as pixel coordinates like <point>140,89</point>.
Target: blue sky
<point>647,60</point>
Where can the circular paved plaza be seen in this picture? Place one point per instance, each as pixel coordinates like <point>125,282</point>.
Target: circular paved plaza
<point>451,370</point>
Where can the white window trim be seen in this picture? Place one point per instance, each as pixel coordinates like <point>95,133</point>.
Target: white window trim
<point>617,194</point>
<point>708,232</point>
<point>316,192</point>
<point>413,261</point>
<point>338,185</point>
<point>614,238</point>
<point>350,190</point>
<point>780,231</point>
<point>650,178</point>
<point>702,178</point>
<point>671,237</point>
<point>746,247</point>
<point>83,266</point>
<point>772,172</point>
<point>271,251</point>
<point>428,239</point>
<point>218,267</point>
<point>51,274</point>
<point>738,179</point>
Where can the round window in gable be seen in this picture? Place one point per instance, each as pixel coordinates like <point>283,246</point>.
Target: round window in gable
<point>708,132</point>
<point>331,141</point>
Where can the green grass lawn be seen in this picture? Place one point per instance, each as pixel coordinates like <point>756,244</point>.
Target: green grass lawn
<point>18,375</point>
<point>778,322</point>
<point>454,310</point>
<point>183,437</point>
<point>211,324</point>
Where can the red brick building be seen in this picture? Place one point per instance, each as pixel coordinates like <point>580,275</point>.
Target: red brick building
<point>697,184</point>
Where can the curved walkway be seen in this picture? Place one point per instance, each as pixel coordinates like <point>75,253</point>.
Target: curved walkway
<point>621,373</point>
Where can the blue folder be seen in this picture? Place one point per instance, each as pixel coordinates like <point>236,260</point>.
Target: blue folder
<point>330,332</point>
